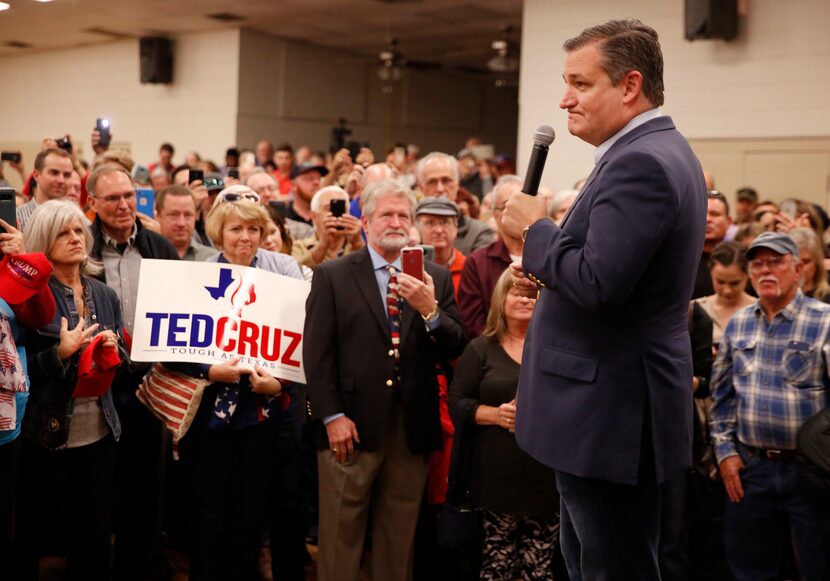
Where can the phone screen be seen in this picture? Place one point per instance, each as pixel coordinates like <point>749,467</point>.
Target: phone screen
<point>8,207</point>
<point>412,261</point>
<point>103,127</point>
<point>195,174</point>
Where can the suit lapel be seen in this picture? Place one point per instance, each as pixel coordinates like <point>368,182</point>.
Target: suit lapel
<point>407,318</point>
<point>661,123</point>
<point>582,191</point>
<point>364,276</point>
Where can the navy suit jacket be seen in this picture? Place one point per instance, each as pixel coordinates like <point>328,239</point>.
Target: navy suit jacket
<point>608,347</point>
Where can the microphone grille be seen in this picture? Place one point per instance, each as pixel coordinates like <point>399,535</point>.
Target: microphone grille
<point>544,135</point>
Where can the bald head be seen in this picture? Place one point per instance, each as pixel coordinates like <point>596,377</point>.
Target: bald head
<point>378,172</point>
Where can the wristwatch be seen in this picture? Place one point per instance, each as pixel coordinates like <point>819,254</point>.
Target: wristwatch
<point>431,316</point>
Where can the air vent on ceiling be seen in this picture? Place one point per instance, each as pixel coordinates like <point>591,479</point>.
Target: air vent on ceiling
<point>105,32</point>
<point>226,17</point>
<point>17,44</point>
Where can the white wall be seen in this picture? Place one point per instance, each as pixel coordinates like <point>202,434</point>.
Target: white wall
<point>771,82</point>
<point>52,93</point>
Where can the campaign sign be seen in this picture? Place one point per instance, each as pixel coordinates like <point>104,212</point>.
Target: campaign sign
<point>208,312</point>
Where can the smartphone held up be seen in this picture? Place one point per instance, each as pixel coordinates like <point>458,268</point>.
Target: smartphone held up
<point>412,261</point>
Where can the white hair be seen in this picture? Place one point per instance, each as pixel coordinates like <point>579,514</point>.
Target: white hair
<point>559,198</point>
<point>337,190</point>
<point>257,171</point>
<point>386,189</point>
<point>436,155</point>
<point>46,223</point>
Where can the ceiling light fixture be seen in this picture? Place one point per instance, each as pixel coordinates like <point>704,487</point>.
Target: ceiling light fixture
<point>391,62</point>
<point>4,6</point>
<point>507,53</point>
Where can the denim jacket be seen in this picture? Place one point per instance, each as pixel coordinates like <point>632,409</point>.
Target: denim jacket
<point>52,380</point>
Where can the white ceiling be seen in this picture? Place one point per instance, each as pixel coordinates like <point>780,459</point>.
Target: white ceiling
<point>455,33</point>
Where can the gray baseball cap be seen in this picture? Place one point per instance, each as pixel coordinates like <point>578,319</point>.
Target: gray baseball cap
<point>441,206</point>
<point>775,241</point>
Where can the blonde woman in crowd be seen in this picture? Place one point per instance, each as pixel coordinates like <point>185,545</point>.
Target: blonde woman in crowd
<point>814,276</point>
<point>516,493</point>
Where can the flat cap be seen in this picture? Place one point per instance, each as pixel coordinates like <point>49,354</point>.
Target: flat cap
<point>441,206</point>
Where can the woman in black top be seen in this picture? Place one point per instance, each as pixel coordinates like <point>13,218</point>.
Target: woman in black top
<point>516,493</point>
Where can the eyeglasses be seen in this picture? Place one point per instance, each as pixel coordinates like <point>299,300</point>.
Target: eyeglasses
<point>115,199</point>
<point>444,181</point>
<point>773,262</point>
<point>235,197</point>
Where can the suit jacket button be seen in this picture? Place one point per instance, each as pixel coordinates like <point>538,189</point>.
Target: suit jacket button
<point>54,424</point>
<point>389,383</point>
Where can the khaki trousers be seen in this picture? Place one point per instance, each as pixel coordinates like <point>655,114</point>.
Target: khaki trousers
<point>391,481</point>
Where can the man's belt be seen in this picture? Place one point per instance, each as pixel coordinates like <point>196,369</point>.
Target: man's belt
<point>773,454</point>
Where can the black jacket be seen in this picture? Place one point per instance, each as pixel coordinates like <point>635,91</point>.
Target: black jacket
<point>150,244</point>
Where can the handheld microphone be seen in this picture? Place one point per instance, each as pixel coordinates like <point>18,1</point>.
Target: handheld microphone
<point>542,138</point>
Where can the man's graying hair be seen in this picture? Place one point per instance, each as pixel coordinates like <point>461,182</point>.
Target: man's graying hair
<point>386,189</point>
<point>626,45</point>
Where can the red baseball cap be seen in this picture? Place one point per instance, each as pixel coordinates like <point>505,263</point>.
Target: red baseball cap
<point>96,369</point>
<point>22,276</point>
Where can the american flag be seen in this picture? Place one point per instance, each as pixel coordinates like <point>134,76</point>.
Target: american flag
<point>172,397</point>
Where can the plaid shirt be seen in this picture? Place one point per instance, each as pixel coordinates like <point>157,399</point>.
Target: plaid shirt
<point>770,377</point>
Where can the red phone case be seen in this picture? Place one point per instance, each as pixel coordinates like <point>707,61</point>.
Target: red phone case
<point>412,261</point>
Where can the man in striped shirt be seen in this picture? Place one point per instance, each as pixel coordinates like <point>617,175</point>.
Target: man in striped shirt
<point>770,376</point>
<point>53,169</point>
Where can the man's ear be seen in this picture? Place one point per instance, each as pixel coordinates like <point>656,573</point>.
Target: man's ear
<point>632,86</point>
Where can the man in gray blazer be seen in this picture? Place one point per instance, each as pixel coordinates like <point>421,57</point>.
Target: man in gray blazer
<point>605,389</point>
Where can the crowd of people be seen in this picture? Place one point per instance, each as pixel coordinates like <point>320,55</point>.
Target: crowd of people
<point>398,456</point>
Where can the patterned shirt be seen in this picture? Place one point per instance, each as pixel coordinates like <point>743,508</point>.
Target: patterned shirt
<point>122,267</point>
<point>770,376</point>
<point>25,212</point>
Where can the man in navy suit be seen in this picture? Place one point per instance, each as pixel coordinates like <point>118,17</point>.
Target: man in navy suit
<point>605,389</point>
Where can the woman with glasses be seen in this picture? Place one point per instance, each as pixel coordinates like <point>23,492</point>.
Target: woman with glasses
<point>71,425</point>
<point>227,454</point>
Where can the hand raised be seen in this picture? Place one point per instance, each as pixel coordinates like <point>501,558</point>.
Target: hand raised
<point>73,340</point>
<point>11,242</point>
<point>419,294</point>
